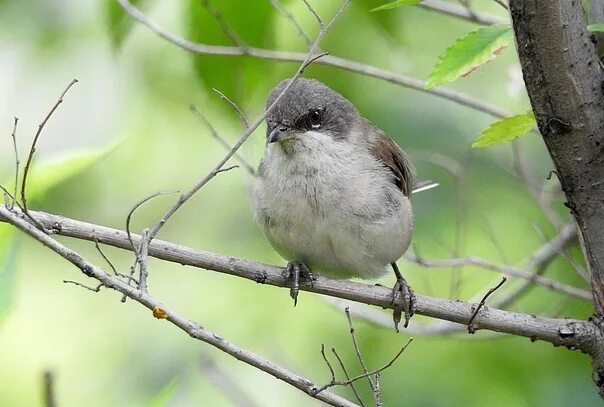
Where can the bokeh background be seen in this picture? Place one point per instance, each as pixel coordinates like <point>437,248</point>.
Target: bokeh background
<point>125,131</point>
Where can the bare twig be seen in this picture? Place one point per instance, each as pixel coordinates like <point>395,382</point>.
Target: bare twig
<point>502,4</point>
<point>224,26</point>
<point>347,376</point>
<point>308,58</point>
<point>471,326</point>
<point>49,389</point>
<point>333,374</point>
<point>367,374</point>
<point>352,66</point>
<point>234,106</point>
<point>138,205</point>
<point>375,390</point>
<point>17,162</point>
<point>32,150</point>
<point>95,289</point>
<point>222,141</point>
<point>503,269</point>
<point>459,12</point>
<point>191,328</point>
<point>314,13</point>
<point>277,5</point>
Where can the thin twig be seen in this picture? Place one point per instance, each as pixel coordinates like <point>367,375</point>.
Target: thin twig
<point>95,289</point>
<point>32,150</point>
<point>504,269</point>
<point>502,4</point>
<point>357,350</point>
<point>49,389</point>
<point>314,13</point>
<point>459,12</point>
<point>352,66</point>
<point>471,326</point>
<point>234,106</point>
<point>224,26</point>
<point>309,58</point>
<point>277,4</point>
<point>222,141</point>
<point>367,374</point>
<point>343,367</point>
<point>138,205</point>
<point>333,374</point>
<point>17,162</point>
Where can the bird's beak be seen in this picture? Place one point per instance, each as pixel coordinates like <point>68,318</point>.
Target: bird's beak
<point>279,133</point>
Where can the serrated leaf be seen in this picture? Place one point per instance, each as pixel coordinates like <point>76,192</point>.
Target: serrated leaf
<point>9,253</point>
<point>396,4</point>
<point>470,52</point>
<point>119,22</point>
<point>506,129</point>
<point>595,28</point>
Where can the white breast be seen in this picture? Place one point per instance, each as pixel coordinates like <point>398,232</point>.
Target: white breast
<point>333,206</point>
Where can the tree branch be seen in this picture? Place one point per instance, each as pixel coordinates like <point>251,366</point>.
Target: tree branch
<point>566,332</point>
<point>330,60</point>
<point>195,330</point>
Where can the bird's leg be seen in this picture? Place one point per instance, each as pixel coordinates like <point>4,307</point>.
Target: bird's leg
<point>407,295</point>
<point>297,272</point>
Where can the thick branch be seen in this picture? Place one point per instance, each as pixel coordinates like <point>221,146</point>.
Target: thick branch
<point>566,332</point>
<point>563,77</point>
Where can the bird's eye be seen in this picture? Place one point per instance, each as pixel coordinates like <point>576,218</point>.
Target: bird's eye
<point>315,118</point>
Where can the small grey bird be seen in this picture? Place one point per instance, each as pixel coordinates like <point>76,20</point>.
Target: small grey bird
<point>332,192</point>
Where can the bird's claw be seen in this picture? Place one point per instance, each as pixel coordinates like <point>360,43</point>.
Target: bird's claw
<point>297,273</point>
<point>408,297</point>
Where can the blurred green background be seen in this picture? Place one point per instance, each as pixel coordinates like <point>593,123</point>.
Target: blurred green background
<point>126,131</point>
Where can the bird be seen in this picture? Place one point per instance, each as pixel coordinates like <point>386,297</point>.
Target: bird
<point>332,192</point>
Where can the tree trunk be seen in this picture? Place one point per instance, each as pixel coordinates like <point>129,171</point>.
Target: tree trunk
<point>563,76</point>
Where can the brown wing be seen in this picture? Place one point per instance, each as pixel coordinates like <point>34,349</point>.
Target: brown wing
<point>385,150</point>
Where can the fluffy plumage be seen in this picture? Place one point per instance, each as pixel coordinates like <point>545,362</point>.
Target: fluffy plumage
<point>332,190</point>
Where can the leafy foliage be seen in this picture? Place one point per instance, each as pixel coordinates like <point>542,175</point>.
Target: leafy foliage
<point>506,129</point>
<point>224,72</point>
<point>470,52</point>
<point>596,28</point>
<point>396,4</point>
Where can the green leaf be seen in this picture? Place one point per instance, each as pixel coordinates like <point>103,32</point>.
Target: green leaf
<point>236,77</point>
<point>119,22</point>
<point>595,28</point>
<point>470,52</point>
<point>9,253</point>
<point>161,398</point>
<point>396,4</point>
<point>506,129</point>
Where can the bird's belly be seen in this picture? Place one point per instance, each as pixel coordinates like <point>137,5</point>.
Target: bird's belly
<point>339,244</point>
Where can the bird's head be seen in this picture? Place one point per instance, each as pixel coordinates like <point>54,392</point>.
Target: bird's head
<point>309,107</point>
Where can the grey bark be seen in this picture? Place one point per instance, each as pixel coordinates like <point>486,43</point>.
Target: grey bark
<point>563,76</point>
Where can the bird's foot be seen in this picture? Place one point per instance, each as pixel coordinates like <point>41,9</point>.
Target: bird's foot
<point>297,273</point>
<point>408,297</point>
